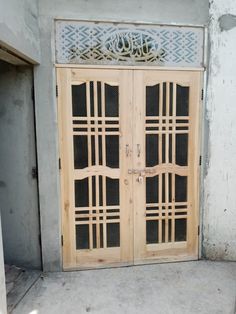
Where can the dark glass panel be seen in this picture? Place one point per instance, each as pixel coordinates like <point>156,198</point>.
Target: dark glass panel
<point>180,189</point>
<point>113,234</point>
<point>163,148</point>
<point>101,235</point>
<point>82,237</point>
<point>170,148</point>
<point>152,100</point>
<point>151,231</point>
<point>80,151</point>
<point>91,99</point>
<point>152,190</point>
<point>100,139</point>
<point>99,99</point>
<point>100,191</point>
<point>79,100</point>
<point>180,213</point>
<point>182,149</point>
<point>152,151</point>
<point>181,229</point>
<point>94,236</point>
<point>169,230</point>
<point>112,187</point>
<point>164,100</point>
<point>163,188</point>
<point>112,151</point>
<point>81,193</point>
<point>163,230</point>
<point>94,191</point>
<point>170,186</point>
<point>93,149</point>
<point>182,101</point>
<point>171,100</point>
<point>111,101</point>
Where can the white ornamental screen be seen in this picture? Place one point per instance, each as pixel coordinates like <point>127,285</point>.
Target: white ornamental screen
<point>98,43</point>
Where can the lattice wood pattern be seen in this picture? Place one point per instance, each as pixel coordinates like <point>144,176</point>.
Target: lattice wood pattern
<point>94,163</point>
<point>129,149</point>
<point>99,43</point>
<point>166,131</point>
<point>166,126</point>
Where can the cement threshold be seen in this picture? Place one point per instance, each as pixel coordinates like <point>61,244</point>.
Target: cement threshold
<point>202,287</point>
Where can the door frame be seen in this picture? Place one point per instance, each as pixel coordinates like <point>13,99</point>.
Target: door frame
<point>198,154</point>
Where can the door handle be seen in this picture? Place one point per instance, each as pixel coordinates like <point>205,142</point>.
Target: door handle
<point>127,150</point>
<point>138,150</point>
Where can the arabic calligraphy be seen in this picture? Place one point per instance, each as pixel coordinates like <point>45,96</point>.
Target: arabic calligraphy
<point>134,46</point>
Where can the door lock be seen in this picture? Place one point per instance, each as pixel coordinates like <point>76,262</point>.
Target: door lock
<point>141,172</point>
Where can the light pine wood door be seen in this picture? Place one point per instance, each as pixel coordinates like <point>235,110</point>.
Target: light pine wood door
<point>129,165</point>
<point>96,139</point>
<point>166,160</point>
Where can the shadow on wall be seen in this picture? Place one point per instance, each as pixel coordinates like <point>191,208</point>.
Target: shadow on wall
<point>18,189</point>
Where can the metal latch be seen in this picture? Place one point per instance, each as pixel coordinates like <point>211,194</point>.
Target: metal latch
<point>34,173</point>
<point>141,172</point>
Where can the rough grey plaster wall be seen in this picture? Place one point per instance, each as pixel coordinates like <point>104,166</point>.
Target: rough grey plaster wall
<point>159,11</point>
<point>18,190</point>
<point>19,27</point>
<point>219,230</point>
<point>3,306</point>
<point>185,12</point>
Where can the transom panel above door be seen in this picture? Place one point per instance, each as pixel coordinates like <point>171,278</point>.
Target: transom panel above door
<point>129,165</point>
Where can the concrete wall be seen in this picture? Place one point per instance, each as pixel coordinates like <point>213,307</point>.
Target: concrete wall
<point>159,11</point>
<point>220,181</point>
<point>19,28</point>
<point>3,306</point>
<point>18,190</point>
<point>183,12</point>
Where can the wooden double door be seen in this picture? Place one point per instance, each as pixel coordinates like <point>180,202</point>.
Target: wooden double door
<point>129,165</point>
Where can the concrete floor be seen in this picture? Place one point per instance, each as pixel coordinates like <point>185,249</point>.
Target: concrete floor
<point>188,287</point>
<point>18,283</point>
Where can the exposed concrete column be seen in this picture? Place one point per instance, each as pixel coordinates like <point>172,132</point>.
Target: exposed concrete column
<point>220,181</point>
<point>3,305</point>
<point>47,148</point>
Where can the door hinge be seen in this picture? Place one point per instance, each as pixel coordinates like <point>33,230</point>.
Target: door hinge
<point>40,240</point>
<point>33,94</point>
<point>62,240</point>
<point>202,94</point>
<point>59,163</point>
<point>198,230</point>
<point>34,173</point>
<point>200,160</point>
<point>56,90</point>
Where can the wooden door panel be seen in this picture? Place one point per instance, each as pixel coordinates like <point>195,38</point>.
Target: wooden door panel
<point>96,137</point>
<point>129,156</point>
<point>166,163</point>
